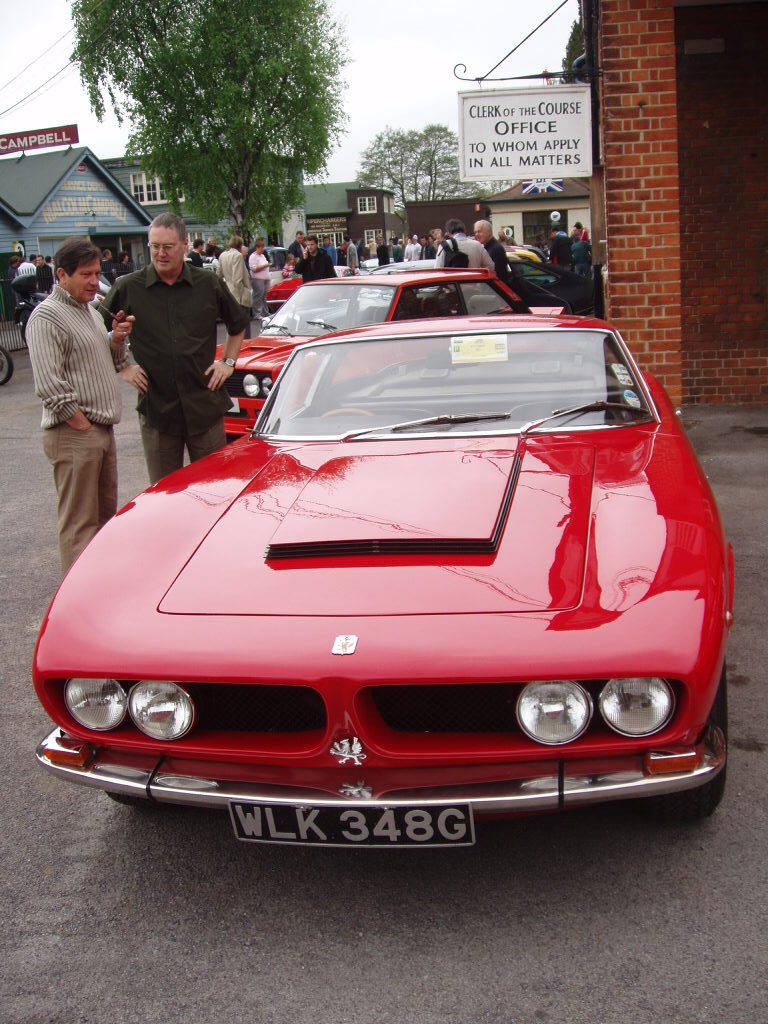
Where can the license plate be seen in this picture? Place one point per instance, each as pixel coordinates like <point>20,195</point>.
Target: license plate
<point>444,825</point>
<point>235,406</point>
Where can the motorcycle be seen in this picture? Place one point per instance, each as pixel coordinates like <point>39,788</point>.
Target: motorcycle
<point>28,297</point>
<point>6,366</point>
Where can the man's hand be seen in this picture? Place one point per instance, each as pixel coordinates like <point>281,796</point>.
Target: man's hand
<point>136,377</point>
<point>122,326</point>
<point>219,372</point>
<point>79,421</point>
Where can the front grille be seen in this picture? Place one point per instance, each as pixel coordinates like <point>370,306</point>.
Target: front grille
<point>479,708</point>
<point>227,707</point>
<point>234,385</point>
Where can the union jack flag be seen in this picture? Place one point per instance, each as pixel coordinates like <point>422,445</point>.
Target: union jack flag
<point>539,186</point>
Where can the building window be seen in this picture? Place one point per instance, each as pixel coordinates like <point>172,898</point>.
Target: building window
<point>147,190</point>
<point>366,204</point>
<point>370,238</point>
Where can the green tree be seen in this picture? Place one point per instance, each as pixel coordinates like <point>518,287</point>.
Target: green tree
<point>231,104</point>
<point>418,166</point>
<point>573,49</point>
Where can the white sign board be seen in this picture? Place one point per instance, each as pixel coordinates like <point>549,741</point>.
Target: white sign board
<point>525,133</point>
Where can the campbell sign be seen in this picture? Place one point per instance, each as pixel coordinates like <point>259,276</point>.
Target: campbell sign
<point>525,133</point>
<point>41,138</point>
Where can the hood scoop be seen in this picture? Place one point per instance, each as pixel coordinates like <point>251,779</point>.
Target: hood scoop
<point>372,548</point>
<point>447,503</point>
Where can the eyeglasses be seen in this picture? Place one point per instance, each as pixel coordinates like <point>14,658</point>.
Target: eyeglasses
<point>165,249</point>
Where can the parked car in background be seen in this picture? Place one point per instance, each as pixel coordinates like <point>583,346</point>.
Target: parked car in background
<point>276,255</point>
<point>576,292</point>
<point>531,286</point>
<point>465,568</point>
<point>525,252</point>
<point>404,267</point>
<point>284,288</point>
<point>324,307</point>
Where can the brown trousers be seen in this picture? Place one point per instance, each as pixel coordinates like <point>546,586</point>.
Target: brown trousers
<point>85,473</point>
<point>164,453</point>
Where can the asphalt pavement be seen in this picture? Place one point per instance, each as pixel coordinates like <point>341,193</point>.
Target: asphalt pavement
<point>598,917</point>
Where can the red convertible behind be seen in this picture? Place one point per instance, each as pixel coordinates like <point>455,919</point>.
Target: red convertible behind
<point>463,568</point>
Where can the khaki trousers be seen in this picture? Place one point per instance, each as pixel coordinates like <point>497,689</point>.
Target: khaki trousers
<point>164,453</point>
<point>85,473</point>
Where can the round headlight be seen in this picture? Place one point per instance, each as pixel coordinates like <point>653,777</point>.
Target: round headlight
<point>554,712</point>
<point>161,710</point>
<point>96,703</point>
<point>266,385</point>
<point>251,385</point>
<point>636,707</point>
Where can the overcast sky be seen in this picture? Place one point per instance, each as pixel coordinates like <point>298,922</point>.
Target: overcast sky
<point>402,54</point>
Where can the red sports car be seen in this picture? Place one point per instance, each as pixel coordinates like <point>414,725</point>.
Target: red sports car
<point>462,569</point>
<point>323,307</point>
<point>283,289</point>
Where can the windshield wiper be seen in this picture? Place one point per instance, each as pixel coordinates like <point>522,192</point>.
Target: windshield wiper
<point>429,421</point>
<point>278,327</point>
<point>322,323</point>
<point>577,409</point>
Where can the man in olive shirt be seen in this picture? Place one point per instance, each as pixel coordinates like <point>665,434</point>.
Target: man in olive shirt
<point>173,342</point>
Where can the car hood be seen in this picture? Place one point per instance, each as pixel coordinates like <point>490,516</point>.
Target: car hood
<point>264,349</point>
<point>393,529</point>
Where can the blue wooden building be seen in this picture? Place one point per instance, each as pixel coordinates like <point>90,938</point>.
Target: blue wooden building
<point>47,197</point>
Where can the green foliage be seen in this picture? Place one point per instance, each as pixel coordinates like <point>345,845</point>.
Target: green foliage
<point>574,48</point>
<point>418,166</point>
<point>231,104</point>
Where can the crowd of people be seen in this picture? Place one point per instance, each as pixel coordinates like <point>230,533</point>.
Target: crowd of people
<point>38,270</point>
<point>574,251</point>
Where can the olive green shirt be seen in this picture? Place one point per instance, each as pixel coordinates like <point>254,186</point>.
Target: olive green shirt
<point>174,341</point>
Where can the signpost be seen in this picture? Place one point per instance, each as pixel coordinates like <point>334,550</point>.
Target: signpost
<point>525,133</point>
<point>40,138</point>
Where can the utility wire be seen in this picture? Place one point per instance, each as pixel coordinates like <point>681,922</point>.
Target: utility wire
<point>33,62</point>
<point>35,94</point>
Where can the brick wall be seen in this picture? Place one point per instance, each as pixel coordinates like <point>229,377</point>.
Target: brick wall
<point>723,132</point>
<point>640,154</point>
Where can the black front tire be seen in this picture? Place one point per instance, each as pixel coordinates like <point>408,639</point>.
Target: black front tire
<point>23,324</point>
<point>694,804</point>
<point>6,366</point>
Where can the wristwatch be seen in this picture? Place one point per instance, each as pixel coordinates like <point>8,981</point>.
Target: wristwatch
<point>229,362</point>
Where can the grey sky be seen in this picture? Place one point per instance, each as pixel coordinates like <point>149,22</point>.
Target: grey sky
<point>400,74</point>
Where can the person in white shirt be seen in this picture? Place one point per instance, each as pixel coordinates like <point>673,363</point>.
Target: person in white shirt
<point>413,249</point>
<point>258,265</point>
<point>478,257</point>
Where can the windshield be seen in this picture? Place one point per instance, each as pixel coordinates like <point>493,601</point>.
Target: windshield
<point>323,308</point>
<point>484,382</point>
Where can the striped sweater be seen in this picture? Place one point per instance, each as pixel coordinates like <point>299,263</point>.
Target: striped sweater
<point>73,363</point>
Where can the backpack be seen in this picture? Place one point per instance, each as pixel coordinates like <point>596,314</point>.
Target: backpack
<point>454,257</point>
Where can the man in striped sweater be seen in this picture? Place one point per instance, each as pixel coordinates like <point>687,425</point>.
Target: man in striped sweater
<point>75,363</point>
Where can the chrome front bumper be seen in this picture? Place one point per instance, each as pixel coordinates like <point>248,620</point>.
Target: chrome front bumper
<point>530,787</point>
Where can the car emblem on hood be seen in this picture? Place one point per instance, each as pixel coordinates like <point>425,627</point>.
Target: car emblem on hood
<point>344,645</point>
<point>348,750</point>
